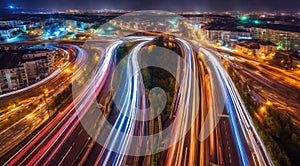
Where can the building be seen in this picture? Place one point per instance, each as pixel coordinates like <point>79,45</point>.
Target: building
<point>38,64</point>
<point>226,35</point>
<point>256,48</point>
<point>13,78</point>
<point>284,39</point>
<point>267,48</point>
<point>24,26</point>
<point>21,68</point>
<point>19,24</point>
<point>7,32</point>
<point>247,47</point>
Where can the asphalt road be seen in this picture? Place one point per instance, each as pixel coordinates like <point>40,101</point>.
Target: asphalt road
<point>231,141</point>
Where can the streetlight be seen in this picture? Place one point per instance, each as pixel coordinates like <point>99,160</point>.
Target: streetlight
<point>67,70</point>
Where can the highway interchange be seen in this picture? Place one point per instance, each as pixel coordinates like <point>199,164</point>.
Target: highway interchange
<point>211,125</point>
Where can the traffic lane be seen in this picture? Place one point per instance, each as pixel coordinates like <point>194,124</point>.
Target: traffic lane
<point>230,154</point>
<point>69,153</point>
<point>36,91</point>
<point>267,78</point>
<point>22,128</point>
<point>77,145</point>
<point>272,87</point>
<point>51,83</point>
<point>280,73</point>
<point>92,157</point>
<point>61,138</point>
<point>16,135</point>
<point>40,140</point>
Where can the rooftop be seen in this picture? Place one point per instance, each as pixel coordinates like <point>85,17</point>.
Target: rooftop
<point>288,28</point>
<point>5,28</point>
<point>13,58</point>
<point>260,42</point>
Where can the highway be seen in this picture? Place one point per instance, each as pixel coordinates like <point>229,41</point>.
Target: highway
<point>22,128</point>
<point>211,125</point>
<point>50,82</point>
<point>277,85</point>
<point>246,137</point>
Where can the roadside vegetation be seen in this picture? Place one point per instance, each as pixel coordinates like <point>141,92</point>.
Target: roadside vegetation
<point>61,98</point>
<point>155,77</point>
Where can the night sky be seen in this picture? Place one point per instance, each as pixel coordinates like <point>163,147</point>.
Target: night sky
<point>169,5</point>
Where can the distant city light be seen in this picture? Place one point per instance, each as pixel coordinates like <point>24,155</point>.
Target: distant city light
<point>172,21</point>
<point>245,37</point>
<point>279,47</point>
<point>56,33</point>
<point>263,108</point>
<point>227,49</point>
<point>269,103</point>
<point>13,39</point>
<point>226,56</point>
<point>67,70</point>
<point>110,28</point>
<point>244,18</point>
<point>256,22</point>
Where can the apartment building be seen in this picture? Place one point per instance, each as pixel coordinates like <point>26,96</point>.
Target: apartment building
<point>285,40</point>
<point>20,68</point>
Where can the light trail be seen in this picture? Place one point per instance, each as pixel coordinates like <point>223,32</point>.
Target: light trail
<point>240,119</point>
<point>220,92</point>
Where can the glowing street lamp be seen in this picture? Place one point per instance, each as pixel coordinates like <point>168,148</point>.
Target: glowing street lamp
<point>67,70</point>
<point>263,108</point>
<point>46,91</point>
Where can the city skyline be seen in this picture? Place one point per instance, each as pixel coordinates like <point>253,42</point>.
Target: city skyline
<point>177,5</point>
<point>149,83</point>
